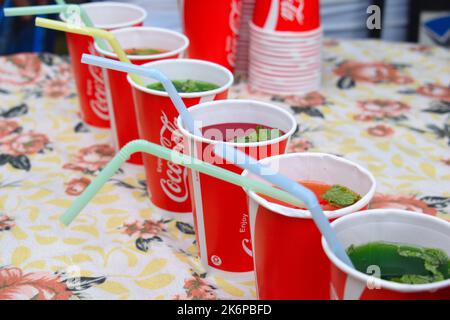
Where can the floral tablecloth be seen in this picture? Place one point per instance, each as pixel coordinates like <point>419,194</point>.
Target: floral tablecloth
<point>383,105</point>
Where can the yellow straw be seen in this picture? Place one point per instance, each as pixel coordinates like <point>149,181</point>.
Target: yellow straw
<point>89,31</point>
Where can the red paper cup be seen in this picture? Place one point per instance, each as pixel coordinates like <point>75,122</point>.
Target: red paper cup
<point>289,261</point>
<point>121,109</point>
<point>220,208</point>
<point>213,28</point>
<point>156,119</point>
<point>287,15</point>
<point>387,225</point>
<point>90,79</point>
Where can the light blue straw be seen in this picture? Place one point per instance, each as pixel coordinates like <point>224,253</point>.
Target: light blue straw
<point>232,154</point>
<point>148,73</point>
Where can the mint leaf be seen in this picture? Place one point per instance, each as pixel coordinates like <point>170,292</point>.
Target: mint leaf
<point>186,86</point>
<point>414,279</point>
<point>340,196</point>
<point>433,259</point>
<point>143,51</point>
<point>260,134</point>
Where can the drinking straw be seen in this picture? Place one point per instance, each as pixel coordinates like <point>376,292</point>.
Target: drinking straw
<point>61,6</point>
<point>237,157</point>
<point>144,146</point>
<point>89,31</point>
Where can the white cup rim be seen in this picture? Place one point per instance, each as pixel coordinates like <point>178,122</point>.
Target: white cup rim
<point>118,4</point>
<point>305,214</point>
<point>389,285</point>
<point>211,104</point>
<point>179,50</point>
<point>150,64</point>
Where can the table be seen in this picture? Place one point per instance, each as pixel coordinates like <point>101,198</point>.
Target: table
<point>383,105</point>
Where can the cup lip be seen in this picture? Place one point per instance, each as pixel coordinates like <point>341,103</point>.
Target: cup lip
<point>150,64</point>
<point>305,214</point>
<point>118,4</point>
<point>179,50</point>
<point>281,69</point>
<point>211,104</point>
<point>389,285</point>
<point>260,30</point>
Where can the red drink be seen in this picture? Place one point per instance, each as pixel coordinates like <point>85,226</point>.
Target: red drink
<point>229,132</point>
<point>220,209</point>
<point>318,188</point>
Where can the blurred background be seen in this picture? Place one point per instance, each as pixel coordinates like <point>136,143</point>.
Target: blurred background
<point>422,21</point>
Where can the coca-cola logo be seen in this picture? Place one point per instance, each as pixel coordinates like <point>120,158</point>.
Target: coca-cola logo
<point>292,10</point>
<point>232,41</point>
<point>246,245</point>
<point>99,100</point>
<point>174,180</point>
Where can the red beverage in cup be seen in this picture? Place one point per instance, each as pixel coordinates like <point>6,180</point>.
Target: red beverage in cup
<point>156,119</point>
<point>220,208</point>
<point>90,79</point>
<point>287,15</point>
<point>122,113</point>
<point>212,28</point>
<point>290,264</point>
<point>392,226</point>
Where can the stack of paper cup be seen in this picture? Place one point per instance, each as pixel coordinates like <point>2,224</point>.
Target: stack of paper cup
<point>285,47</point>
<point>244,36</point>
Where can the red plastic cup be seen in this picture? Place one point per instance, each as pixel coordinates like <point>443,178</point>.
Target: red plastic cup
<point>156,119</point>
<point>89,79</point>
<point>389,225</point>
<point>213,28</point>
<point>121,109</point>
<point>287,15</point>
<point>288,257</point>
<point>220,208</point>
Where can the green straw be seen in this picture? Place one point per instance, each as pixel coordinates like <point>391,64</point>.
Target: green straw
<point>144,146</point>
<point>34,10</point>
<point>60,7</point>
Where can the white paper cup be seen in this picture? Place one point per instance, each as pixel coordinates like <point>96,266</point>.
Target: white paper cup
<point>113,15</point>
